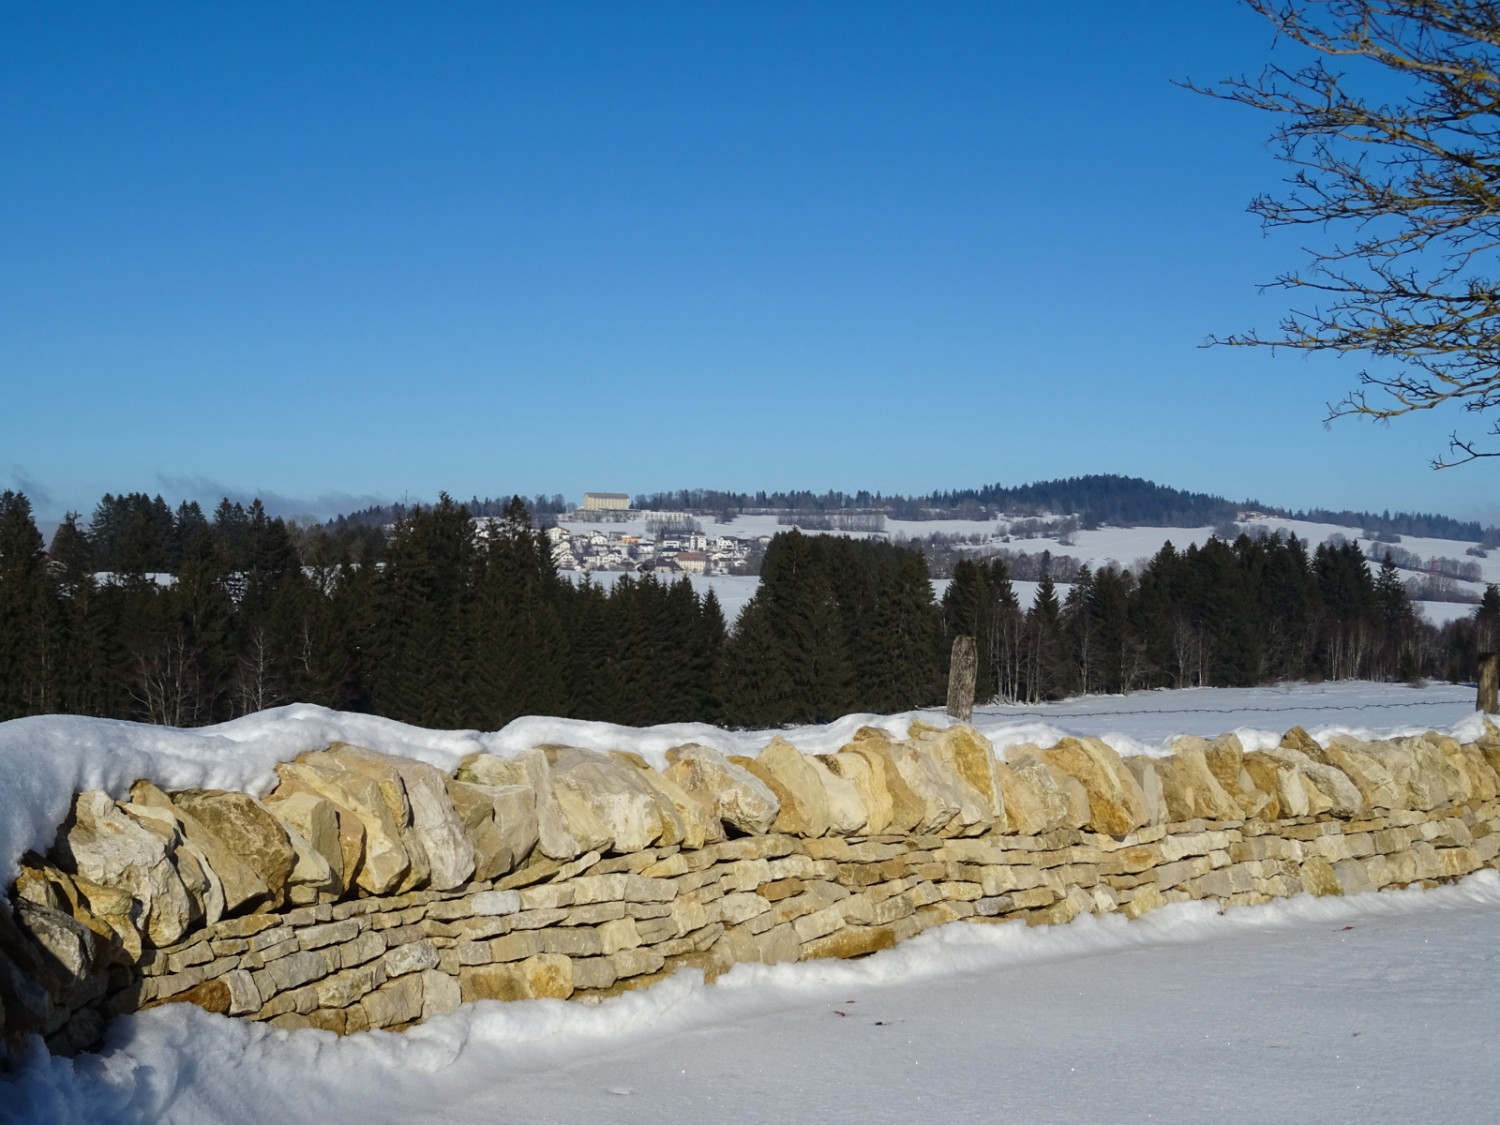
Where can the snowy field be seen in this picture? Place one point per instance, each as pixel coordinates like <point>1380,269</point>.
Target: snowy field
<point>1373,1008</point>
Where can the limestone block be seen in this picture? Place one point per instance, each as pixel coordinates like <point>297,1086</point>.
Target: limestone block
<point>888,789</point>
<point>1264,775</point>
<point>1225,757</point>
<point>798,785</point>
<point>851,941</point>
<point>637,962</point>
<point>597,913</point>
<point>515,946</point>
<point>1191,790</point>
<point>346,988</point>
<point>1370,767</point>
<point>1342,796</point>
<point>617,935</point>
<point>1318,877</point>
<point>1353,877</point>
<point>432,829</point>
<point>631,812</point>
<point>819,923</point>
<point>778,944</point>
<point>316,820</point>
<point>847,815</point>
<point>411,957</point>
<point>1117,804</point>
<point>1148,774</point>
<point>736,908</point>
<point>735,795</point>
<point>1033,802</point>
<point>372,849</point>
<point>328,933</point>
<point>247,828</point>
<point>572,941</point>
<point>542,976</point>
<point>395,1003</point>
<point>73,953</point>
<point>970,757</point>
<point>127,873</point>
<point>198,877</point>
<point>1433,782</point>
<point>593,972</point>
<point>873,795</point>
<point>547,896</point>
<point>695,821</point>
<point>240,884</point>
<point>949,806</point>
<point>1483,781</point>
<point>488,903</point>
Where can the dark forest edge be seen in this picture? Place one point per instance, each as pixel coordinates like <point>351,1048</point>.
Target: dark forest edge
<point>440,626</point>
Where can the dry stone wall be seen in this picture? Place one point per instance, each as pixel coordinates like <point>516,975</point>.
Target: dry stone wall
<point>369,891</point>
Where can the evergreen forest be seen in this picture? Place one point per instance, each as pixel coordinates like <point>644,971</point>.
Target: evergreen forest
<point>181,617</point>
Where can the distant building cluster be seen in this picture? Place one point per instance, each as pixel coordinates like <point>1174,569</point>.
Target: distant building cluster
<point>682,552</point>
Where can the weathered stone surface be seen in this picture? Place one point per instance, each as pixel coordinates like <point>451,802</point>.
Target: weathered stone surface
<point>542,976</point>
<point>1341,796</point>
<point>870,789</point>
<point>798,784</point>
<point>71,951</point>
<point>245,827</point>
<point>440,994</point>
<point>847,815</point>
<point>501,822</point>
<point>434,838</point>
<point>1148,776</point>
<point>1374,768</point>
<point>1299,739</point>
<point>694,824</point>
<point>873,747</point>
<point>1225,757</point>
<point>242,887</point>
<point>127,873</point>
<point>735,795</point>
<point>631,813</point>
<point>1116,803</point>
<point>970,757</point>
<point>1265,776</point>
<point>371,843</point>
<point>1190,789</point>
<point>317,820</point>
<point>1040,798</point>
<point>412,957</point>
<point>198,878</point>
<point>567,827</point>
<point>395,1003</point>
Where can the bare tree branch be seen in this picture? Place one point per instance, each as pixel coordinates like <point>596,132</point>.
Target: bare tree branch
<point>1414,184</point>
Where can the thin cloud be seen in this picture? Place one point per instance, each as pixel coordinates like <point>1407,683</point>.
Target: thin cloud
<point>209,492</point>
<point>35,491</point>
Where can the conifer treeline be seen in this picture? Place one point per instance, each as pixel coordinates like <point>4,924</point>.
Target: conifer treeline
<point>1220,615</point>
<point>440,626</point>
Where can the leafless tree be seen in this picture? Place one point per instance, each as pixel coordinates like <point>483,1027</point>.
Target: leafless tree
<point>1392,125</point>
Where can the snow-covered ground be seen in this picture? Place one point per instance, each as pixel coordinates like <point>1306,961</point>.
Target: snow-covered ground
<point>1373,1008</point>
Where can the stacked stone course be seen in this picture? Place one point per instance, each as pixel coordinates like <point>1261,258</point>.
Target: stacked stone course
<point>369,891</point>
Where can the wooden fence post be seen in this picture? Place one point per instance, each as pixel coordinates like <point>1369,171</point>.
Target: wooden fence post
<point>962,669</point>
<point>1489,683</point>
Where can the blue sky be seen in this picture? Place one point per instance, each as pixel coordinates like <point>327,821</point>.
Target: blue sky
<point>337,253</point>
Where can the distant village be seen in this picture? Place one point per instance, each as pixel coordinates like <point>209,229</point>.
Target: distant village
<point>671,542</point>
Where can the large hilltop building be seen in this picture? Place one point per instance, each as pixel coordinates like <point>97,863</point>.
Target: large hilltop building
<point>606,502</point>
